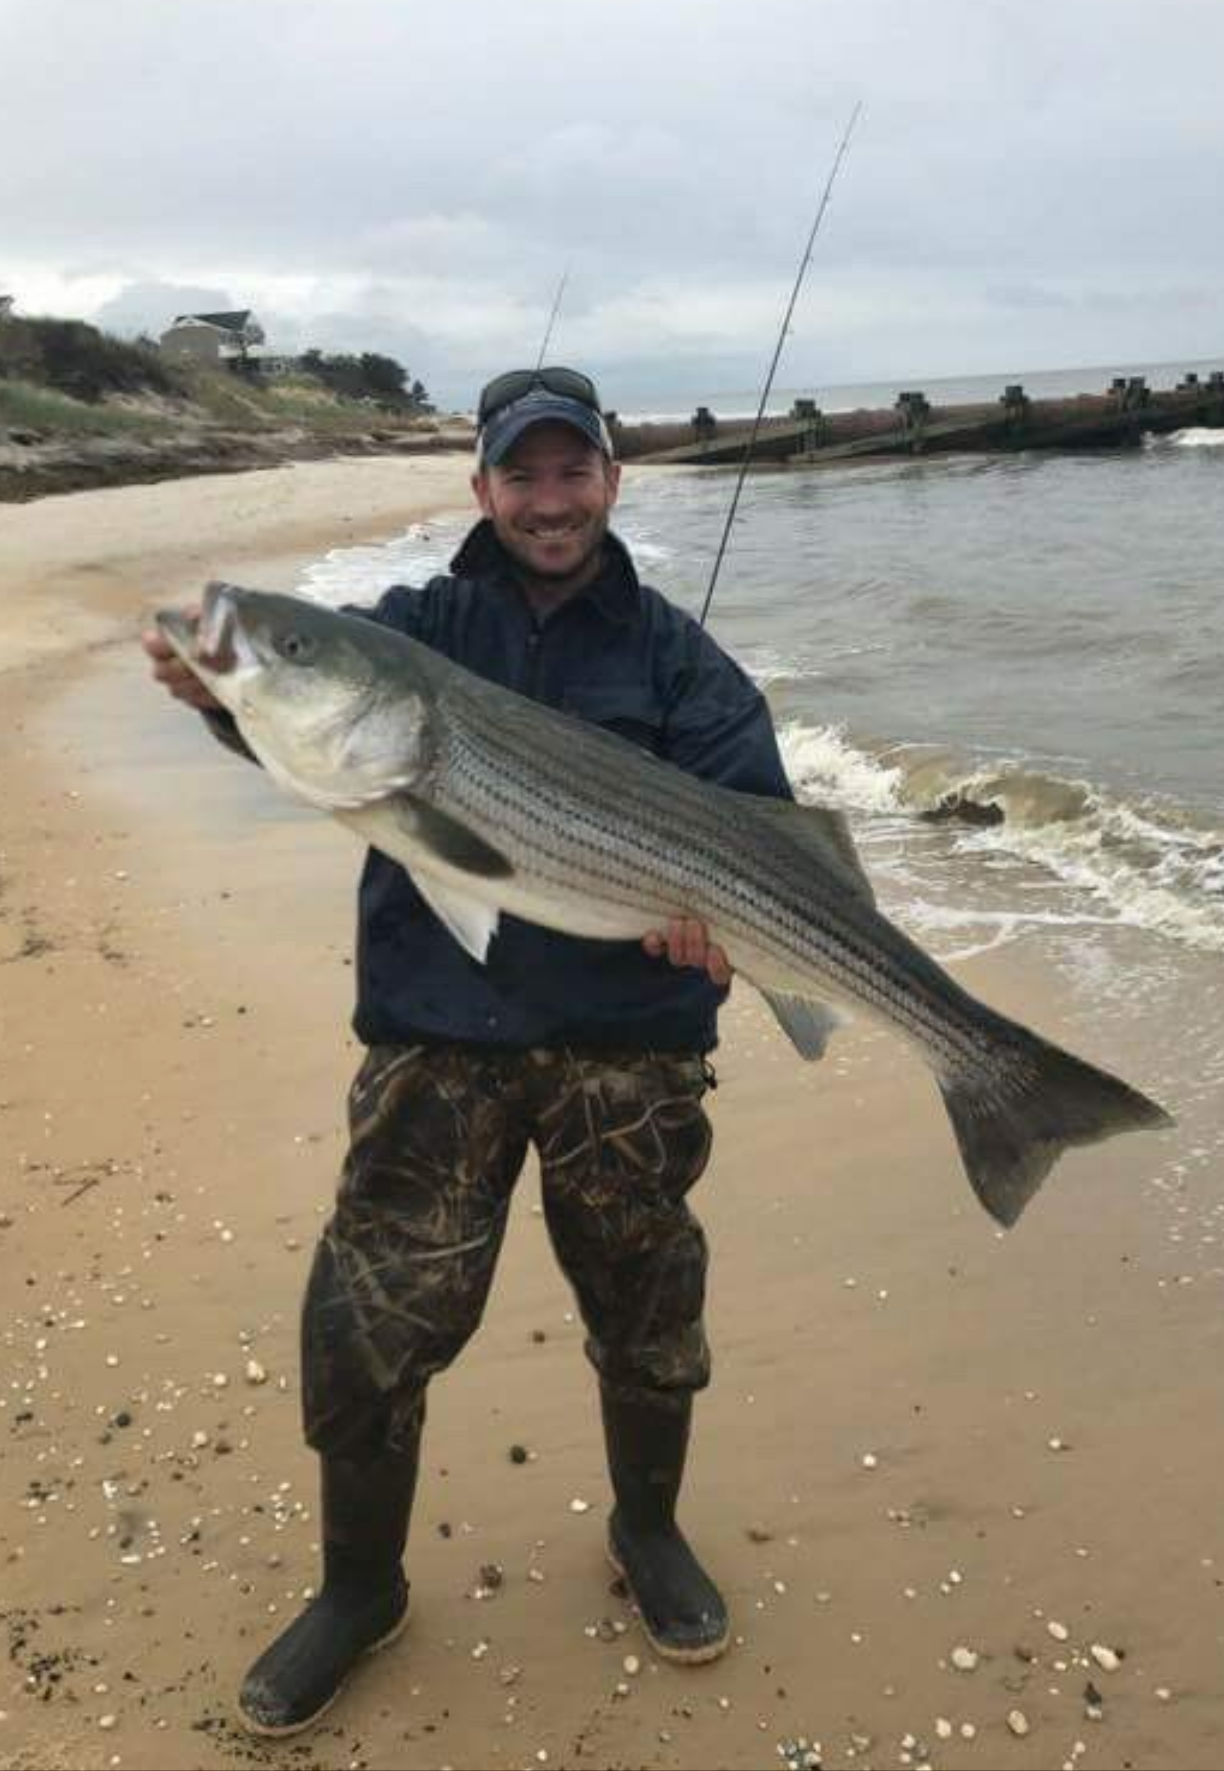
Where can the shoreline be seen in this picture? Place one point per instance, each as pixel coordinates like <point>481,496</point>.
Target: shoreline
<point>113,553</point>
<point>36,465</point>
<point>174,945</point>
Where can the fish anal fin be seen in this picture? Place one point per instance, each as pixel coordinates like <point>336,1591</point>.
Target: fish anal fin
<point>807,1024</point>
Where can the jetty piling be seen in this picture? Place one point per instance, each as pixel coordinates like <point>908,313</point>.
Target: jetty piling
<point>705,426</point>
<point>1118,416</point>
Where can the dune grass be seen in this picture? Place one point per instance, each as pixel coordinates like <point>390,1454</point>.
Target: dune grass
<point>23,405</point>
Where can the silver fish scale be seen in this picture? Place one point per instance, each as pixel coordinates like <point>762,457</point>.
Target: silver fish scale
<point>571,807</point>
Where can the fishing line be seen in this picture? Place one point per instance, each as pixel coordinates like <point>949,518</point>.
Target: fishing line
<point>751,444</point>
<point>552,318</point>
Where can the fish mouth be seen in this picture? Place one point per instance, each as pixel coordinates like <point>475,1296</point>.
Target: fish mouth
<point>204,641</point>
<point>179,629</point>
<point>210,643</point>
<point>214,647</point>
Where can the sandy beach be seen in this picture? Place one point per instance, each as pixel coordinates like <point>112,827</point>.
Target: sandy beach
<point>960,1488</point>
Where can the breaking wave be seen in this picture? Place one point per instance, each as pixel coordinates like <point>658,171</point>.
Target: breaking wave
<point>1148,863</point>
<point>1197,437</point>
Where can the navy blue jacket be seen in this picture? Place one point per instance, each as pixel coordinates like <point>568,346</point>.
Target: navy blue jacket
<point>618,654</point>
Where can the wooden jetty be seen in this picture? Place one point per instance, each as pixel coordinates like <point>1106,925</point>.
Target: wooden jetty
<point>1126,411</point>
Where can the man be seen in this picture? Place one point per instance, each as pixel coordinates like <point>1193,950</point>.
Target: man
<point>593,1051</point>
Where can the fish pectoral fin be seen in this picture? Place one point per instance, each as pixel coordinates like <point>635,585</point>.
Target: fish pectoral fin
<point>471,923</point>
<point>450,840</point>
<point>825,832</point>
<point>806,1024</point>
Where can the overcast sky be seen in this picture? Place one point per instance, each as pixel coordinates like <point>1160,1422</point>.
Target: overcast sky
<point>1031,184</point>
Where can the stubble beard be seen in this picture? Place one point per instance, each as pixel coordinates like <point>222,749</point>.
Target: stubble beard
<point>577,576</point>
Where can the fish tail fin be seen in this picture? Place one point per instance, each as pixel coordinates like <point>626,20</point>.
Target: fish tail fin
<point>1034,1101</point>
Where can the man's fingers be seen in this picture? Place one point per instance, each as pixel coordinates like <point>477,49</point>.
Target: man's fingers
<point>172,673</point>
<point>154,640</point>
<point>176,676</point>
<point>719,968</point>
<point>196,695</point>
<point>686,942</point>
<point>156,644</point>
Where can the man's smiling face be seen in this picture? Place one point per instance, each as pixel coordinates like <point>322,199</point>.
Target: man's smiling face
<point>549,501</point>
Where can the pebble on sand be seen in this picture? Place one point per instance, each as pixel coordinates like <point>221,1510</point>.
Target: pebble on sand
<point>1018,1722</point>
<point>964,1660</point>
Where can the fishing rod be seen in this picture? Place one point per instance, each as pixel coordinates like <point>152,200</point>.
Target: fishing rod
<point>552,318</point>
<point>751,444</point>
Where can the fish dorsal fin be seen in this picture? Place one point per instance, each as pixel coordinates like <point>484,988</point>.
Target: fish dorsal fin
<point>823,831</point>
<point>451,841</point>
<point>806,1024</point>
<point>472,924</point>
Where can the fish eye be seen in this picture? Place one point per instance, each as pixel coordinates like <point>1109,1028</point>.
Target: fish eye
<point>298,648</point>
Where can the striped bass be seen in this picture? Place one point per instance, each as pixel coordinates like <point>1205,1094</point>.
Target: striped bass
<point>498,805</point>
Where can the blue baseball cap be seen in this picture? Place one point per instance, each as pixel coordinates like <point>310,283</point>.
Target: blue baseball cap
<point>540,404</point>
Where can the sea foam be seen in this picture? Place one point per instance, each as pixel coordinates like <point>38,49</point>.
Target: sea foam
<point>1148,864</point>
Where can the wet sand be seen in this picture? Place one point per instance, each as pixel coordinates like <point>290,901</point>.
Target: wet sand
<point>922,1436</point>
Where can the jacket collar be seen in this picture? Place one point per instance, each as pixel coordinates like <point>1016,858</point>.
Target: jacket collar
<point>615,592</point>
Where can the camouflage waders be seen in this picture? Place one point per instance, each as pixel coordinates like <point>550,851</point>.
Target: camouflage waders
<point>439,1135</point>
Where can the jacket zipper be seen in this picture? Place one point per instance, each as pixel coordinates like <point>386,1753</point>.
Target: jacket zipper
<point>534,642</point>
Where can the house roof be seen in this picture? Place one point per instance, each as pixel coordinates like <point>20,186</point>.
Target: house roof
<point>229,322</point>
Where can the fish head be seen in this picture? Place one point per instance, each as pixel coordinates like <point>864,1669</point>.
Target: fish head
<point>329,702</point>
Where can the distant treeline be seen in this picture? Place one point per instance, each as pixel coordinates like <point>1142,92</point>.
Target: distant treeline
<point>370,376</point>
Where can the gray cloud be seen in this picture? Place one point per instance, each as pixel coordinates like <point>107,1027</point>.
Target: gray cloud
<point>413,177</point>
<point>1025,295</point>
<point>151,307</point>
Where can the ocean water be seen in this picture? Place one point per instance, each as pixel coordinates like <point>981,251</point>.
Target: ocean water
<point>1008,671</point>
<point>1040,384</point>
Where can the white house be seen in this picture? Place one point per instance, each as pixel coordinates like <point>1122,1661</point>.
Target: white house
<point>213,338</point>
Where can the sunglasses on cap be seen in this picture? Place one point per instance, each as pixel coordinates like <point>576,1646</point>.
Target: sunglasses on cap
<point>503,389</point>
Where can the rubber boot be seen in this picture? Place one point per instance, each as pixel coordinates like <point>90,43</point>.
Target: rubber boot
<point>682,1611</point>
<point>363,1603</point>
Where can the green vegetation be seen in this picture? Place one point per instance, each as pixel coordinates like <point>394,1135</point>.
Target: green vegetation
<point>23,406</point>
<point>370,376</point>
<point>78,360</point>
<point>222,396</point>
<point>306,402</point>
<point>67,378</point>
